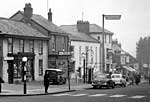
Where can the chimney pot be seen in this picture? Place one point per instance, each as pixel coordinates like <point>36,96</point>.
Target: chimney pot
<point>28,11</point>
<point>50,15</point>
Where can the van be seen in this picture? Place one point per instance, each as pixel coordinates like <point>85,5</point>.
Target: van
<point>56,76</point>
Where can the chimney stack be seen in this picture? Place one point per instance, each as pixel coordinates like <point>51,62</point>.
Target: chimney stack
<point>28,11</point>
<point>50,15</point>
<point>83,26</point>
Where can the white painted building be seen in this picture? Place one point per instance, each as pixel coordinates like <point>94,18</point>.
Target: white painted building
<point>85,52</point>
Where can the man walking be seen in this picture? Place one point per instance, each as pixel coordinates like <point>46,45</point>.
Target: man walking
<point>46,81</point>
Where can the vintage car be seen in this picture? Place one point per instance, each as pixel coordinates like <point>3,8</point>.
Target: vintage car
<point>103,81</point>
<point>119,80</point>
<point>56,76</point>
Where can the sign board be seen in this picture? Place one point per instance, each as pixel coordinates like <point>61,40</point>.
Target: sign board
<point>145,65</point>
<point>64,53</point>
<point>8,58</point>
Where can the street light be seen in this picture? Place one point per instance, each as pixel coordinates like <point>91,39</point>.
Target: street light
<point>24,60</point>
<point>107,17</point>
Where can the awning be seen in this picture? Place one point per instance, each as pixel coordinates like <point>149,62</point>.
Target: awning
<point>129,68</point>
<point>132,69</point>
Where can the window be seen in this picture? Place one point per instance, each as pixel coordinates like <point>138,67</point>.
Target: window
<point>87,54</point>
<point>72,51</point>
<point>53,38</point>
<point>31,46</point>
<point>21,45</point>
<point>63,43</point>
<point>80,55</point>
<point>96,55</point>
<point>40,47</point>
<point>10,45</point>
<point>98,37</point>
<point>40,67</point>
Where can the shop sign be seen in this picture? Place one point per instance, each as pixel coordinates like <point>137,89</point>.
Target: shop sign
<point>64,53</point>
<point>8,58</point>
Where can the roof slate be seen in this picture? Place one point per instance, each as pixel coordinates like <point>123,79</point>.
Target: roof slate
<point>93,28</point>
<point>78,36</point>
<point>47,24</point>
<point>12,27</point>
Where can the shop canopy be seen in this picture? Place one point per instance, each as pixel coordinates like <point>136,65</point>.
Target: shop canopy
<point>129,68</point>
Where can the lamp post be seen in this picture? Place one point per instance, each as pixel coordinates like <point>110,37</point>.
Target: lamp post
<point>24,60</point>
<point>107,17</point>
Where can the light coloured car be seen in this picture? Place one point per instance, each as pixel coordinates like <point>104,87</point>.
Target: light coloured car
<point>102,81</point>
<point>119,80</point>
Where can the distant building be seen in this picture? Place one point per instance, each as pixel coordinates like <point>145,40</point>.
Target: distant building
<point>123,62</point>
<point>143,55</point>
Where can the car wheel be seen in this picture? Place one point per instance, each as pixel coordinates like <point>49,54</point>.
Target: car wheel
<point>108,86</point>
<point>113,86</point>
<point>94,87</point>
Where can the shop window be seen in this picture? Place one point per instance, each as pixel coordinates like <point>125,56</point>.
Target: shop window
<point>10,45</point>
<point>17,70</point>
<point>40,47</point>
<point>40,67</point>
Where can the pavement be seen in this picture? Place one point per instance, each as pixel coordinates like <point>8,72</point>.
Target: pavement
<point>35,88</point>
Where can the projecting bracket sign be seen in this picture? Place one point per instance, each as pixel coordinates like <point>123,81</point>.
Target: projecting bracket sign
<point>64,53</point>
<point>8,58</point>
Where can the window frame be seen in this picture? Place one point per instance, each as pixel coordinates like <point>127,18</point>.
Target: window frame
<point>40,67</point>
<point>10,45</point>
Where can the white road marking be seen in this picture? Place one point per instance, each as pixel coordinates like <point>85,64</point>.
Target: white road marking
<point>96,95</point>
<point>117,96</point>
<point>60,94</point>
<point>79,95</point>
<point>137,96</point>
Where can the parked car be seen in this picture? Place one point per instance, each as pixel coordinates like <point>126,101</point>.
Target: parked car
<point>103,81</point>
<point>56,76</point>
<point>119,80</point>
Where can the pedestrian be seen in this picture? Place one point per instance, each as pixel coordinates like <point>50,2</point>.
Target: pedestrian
<point>46,81</point>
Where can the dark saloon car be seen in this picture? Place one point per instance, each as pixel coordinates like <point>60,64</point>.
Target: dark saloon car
<point>103,81</point>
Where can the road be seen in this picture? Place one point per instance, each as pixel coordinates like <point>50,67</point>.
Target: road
<point>135,93</point>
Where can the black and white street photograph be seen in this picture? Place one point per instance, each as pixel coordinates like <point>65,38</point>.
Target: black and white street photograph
<point>75,51</point>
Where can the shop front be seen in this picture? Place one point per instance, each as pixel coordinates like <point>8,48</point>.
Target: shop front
<point>59,61</point>
<point>15,67</point>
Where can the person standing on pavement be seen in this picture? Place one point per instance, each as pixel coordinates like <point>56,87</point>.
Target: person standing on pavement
<point>46,81</point>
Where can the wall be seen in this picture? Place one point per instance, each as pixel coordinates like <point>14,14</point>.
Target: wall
<point>77,54</point>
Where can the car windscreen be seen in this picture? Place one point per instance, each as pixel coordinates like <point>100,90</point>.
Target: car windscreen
<point>101,78</point>
<point>116,76</point>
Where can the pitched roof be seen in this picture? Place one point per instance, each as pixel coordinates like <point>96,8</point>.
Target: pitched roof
<point>12,27</point>
<point>92,29</point>
<point>47,24</point>
<point>96,28</point>
<point>78,36</point>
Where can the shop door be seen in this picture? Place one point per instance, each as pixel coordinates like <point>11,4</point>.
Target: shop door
<point>10,71</point>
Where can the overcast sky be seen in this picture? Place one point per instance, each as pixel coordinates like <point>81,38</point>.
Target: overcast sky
<point>134,23</point>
